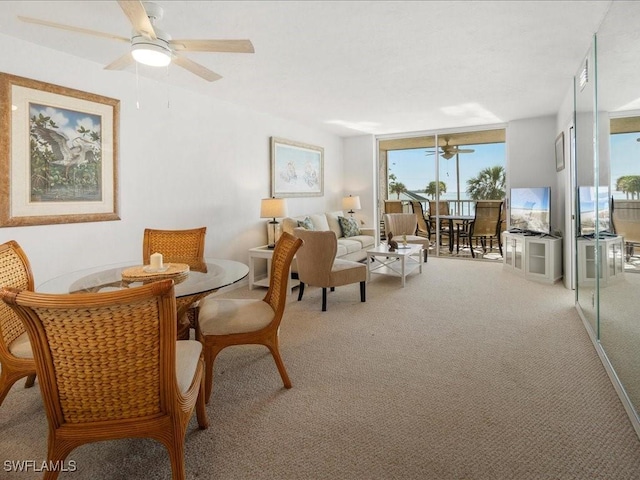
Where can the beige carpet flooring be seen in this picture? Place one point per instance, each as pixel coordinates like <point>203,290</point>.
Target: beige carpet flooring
<point>469,372</point>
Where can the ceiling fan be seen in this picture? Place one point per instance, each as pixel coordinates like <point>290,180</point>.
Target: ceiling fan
<point>449,151</point>
<point>152,46</point>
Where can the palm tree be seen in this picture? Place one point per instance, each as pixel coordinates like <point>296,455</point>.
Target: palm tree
<point>488,185</point>
<point>432,189</point>
<point>397,188</point>
<point>629,184</point>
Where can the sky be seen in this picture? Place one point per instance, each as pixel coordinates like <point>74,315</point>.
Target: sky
<point>416,169</point>
<point>625,158</point>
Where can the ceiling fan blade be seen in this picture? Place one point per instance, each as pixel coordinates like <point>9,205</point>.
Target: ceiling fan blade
<point>72,28</point>
<point>232,46</point>
<point>137,15</point>
<point>121,62</point>
<point>196,68</point>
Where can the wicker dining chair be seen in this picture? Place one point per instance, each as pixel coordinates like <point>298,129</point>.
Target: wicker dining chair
<point>177,246</point>
<point>227,322</point>
<point>109,367</point>
<point>16,356</point>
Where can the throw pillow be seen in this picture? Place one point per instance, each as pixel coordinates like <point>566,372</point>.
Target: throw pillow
<point>349,226</point>
<point>306,223</point>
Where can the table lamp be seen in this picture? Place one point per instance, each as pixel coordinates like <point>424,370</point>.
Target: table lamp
<point>272,208</point>
<point>351,203</point>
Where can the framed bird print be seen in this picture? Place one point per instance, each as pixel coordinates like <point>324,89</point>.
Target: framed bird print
<point>58,154</point>
<point>297,169</point>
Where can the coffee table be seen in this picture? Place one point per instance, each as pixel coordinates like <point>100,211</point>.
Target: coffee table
<point>399,263</point>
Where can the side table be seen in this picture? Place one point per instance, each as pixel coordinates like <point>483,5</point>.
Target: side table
<point>264,252</point>
<point>399,263</point>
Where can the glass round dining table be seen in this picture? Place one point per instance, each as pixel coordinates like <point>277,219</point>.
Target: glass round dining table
<point>201,280</point>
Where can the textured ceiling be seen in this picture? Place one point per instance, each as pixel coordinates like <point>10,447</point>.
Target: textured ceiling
<point>353,67</point>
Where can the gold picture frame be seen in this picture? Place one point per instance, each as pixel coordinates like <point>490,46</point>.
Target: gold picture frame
<point>58,154</point>
<point>297,169</point>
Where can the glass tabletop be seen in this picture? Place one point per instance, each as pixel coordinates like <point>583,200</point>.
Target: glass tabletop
<point>211,276</point>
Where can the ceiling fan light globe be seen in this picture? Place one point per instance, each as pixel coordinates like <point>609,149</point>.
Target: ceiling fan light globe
<point>155,53</point>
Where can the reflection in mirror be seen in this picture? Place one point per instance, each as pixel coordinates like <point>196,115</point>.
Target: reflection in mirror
<point>618,97</point>
<point>585,119</point>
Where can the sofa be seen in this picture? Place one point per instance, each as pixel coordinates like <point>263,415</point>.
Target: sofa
<point>353,247</point>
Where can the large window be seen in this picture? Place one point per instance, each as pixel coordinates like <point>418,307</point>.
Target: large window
<point>471,167</point>
<point>463,168</point>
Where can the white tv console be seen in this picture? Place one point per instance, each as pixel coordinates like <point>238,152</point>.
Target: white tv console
<point>536,257</point>
<point>611,260</point>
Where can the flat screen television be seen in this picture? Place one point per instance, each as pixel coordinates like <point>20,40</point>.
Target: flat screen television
<point>588,216</point>
<point>530,210</point>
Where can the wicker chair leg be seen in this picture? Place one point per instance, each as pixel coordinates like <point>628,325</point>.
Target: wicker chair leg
<point>363,291</point>
<point>201,409</point>
<point>176,454</point>
<point>31,379</point>
<point>275,353</point>
<point>210,354</point>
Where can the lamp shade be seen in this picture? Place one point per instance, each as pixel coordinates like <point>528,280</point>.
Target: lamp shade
<point>351,203</point>
<point>273,208</point>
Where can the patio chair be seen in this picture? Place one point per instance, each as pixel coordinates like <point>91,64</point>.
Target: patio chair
<point>442,209</point>
<point>486,225</point>
<point>625,218</point>
<point>422,229</point>
<point>393,206</point>
<point>16,356</point>
<point>109,367</point>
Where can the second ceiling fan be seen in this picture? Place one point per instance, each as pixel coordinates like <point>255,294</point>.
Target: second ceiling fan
<point>449,151</point>
<point>152,46</point>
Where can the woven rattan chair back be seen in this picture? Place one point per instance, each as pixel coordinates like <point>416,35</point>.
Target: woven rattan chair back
<point>283,254</point>
<point>107,367</point>
<point>179,246</point>
<point>16,357</point>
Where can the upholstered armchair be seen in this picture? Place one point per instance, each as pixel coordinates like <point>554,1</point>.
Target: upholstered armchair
<point>405,224</point>
<point>319,267</point>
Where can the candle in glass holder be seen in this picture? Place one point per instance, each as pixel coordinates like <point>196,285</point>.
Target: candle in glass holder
<point>156,261</point>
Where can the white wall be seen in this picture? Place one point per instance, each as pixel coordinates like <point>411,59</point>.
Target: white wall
<point>531,159</point>
<point>565,121</point>
<point>198,162</point>
<point>360,175</point>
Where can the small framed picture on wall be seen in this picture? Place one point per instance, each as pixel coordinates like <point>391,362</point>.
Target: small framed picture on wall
<point>560,152</point>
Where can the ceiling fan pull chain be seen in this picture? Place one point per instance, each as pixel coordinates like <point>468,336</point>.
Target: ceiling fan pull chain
<point>137,89</point>
<point>168,89</point>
